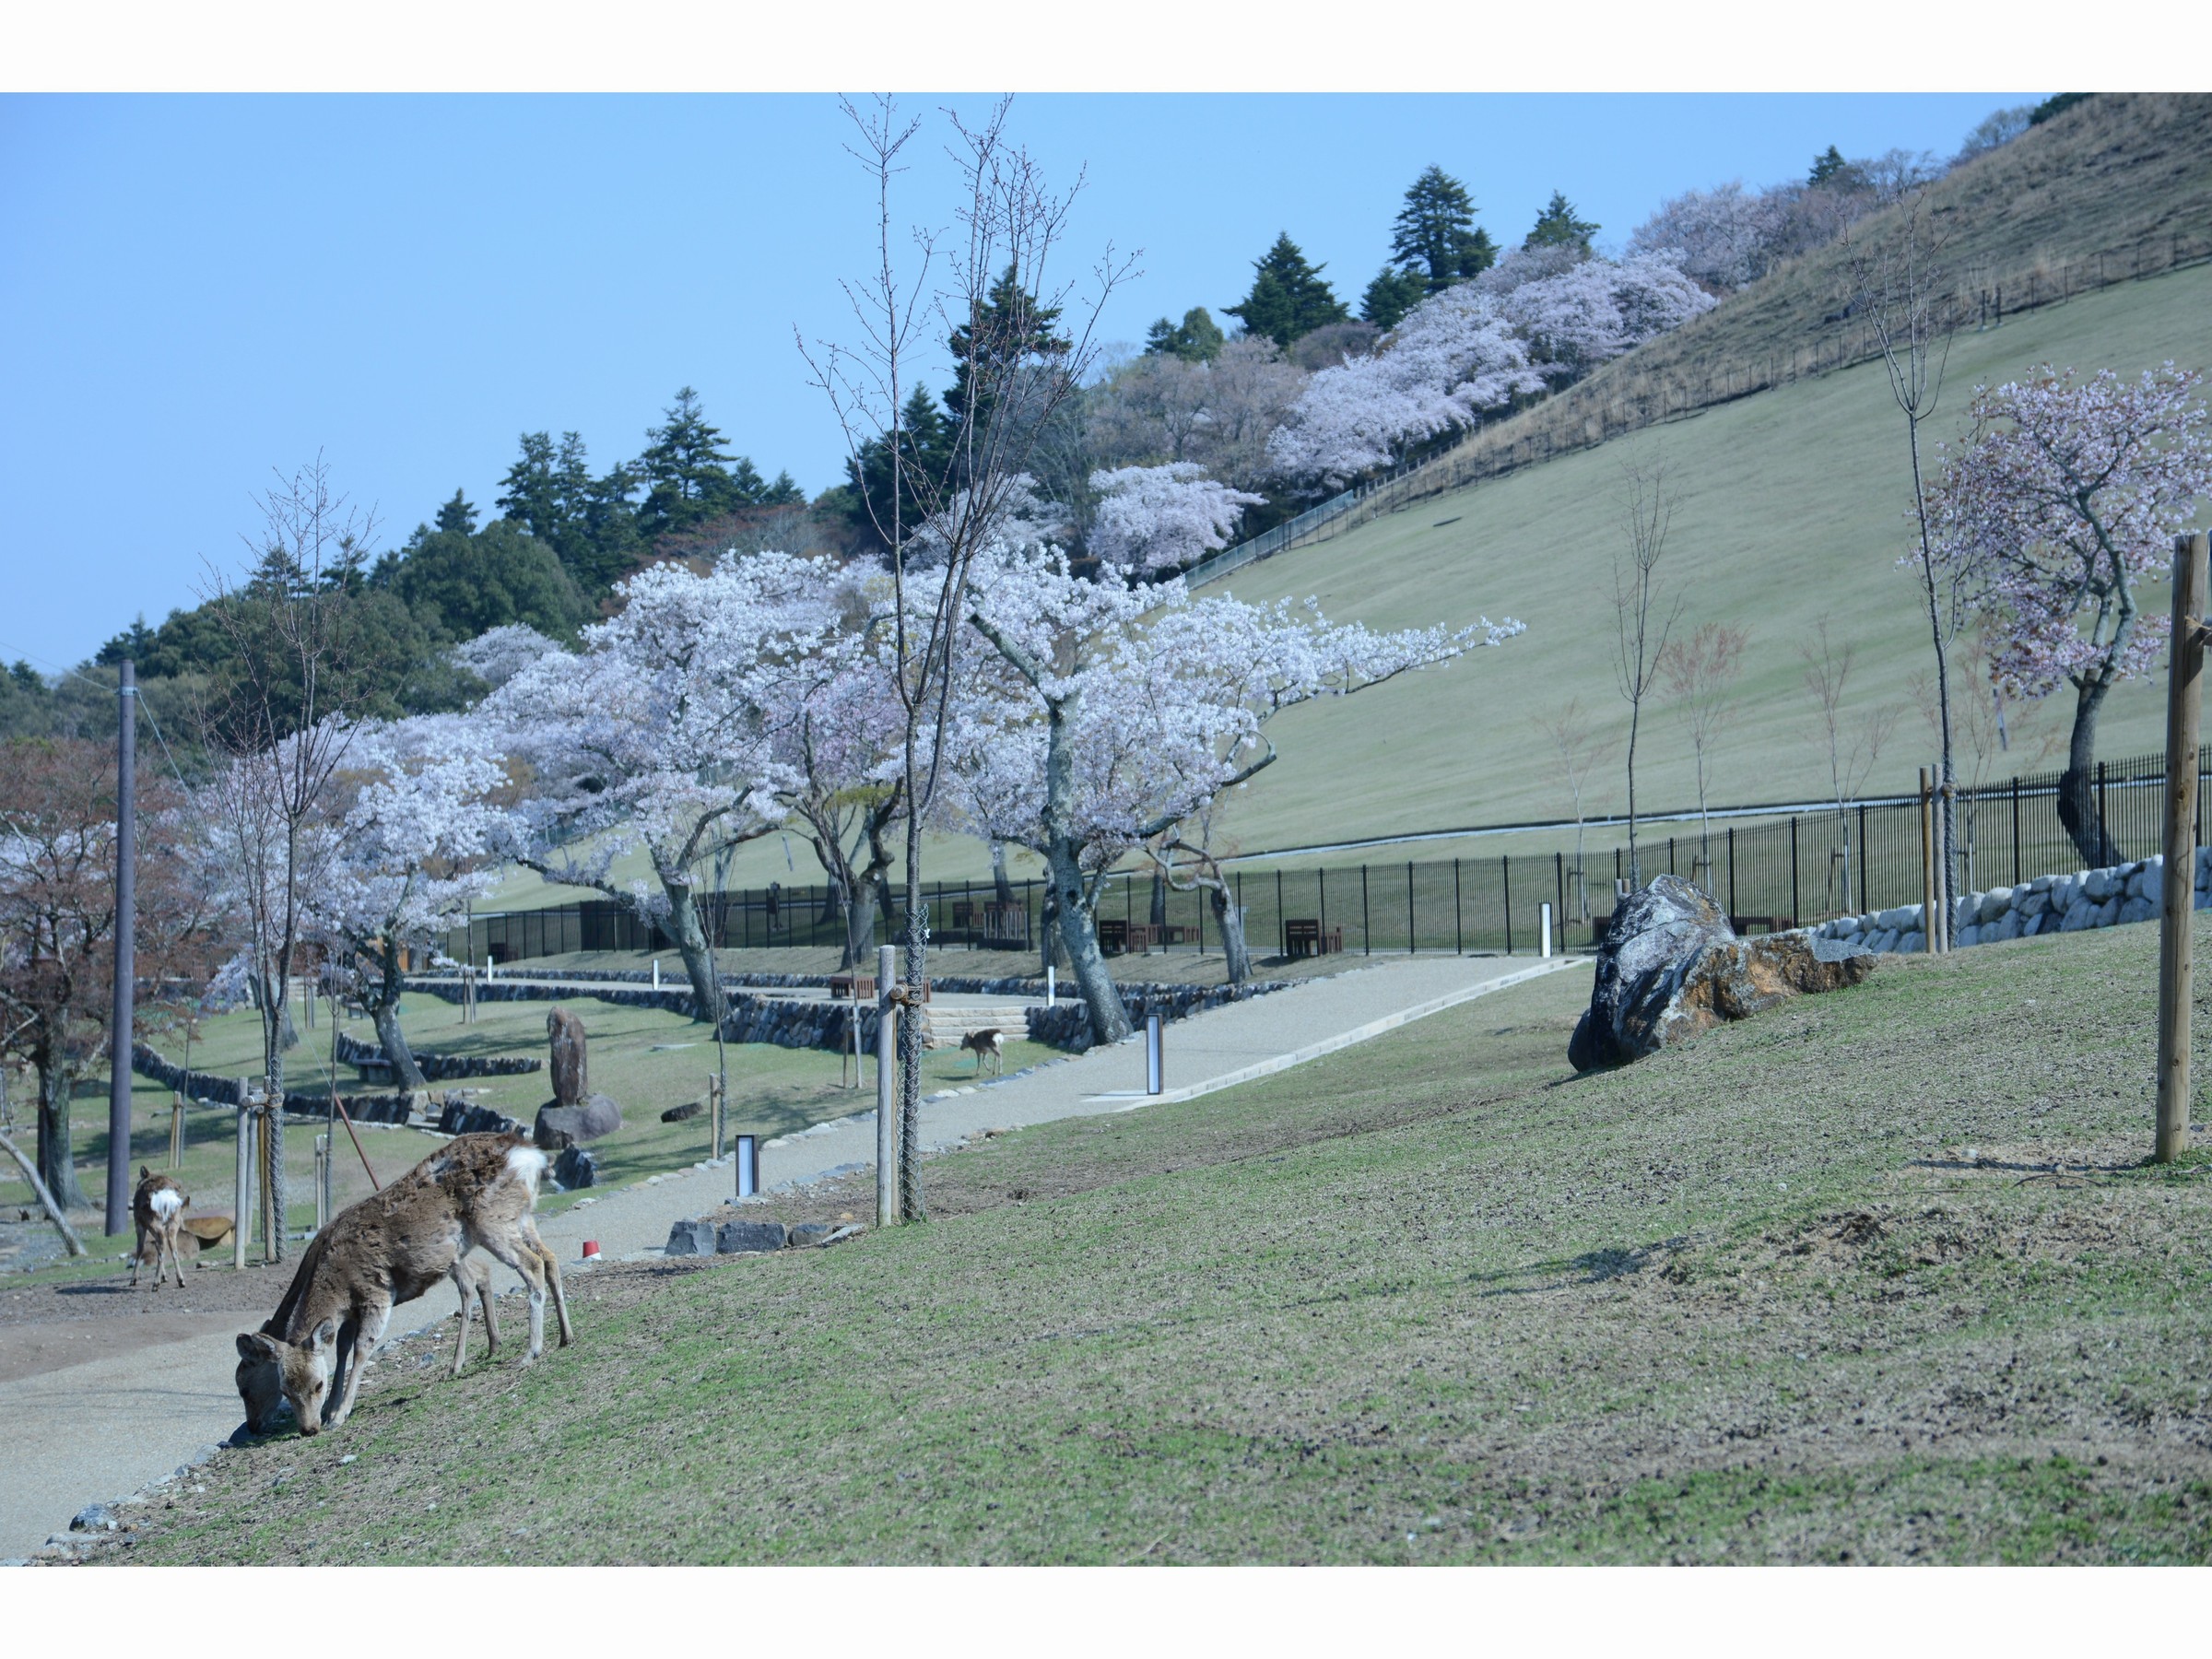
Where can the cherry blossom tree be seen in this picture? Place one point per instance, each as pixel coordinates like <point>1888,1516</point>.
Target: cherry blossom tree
<point>1452,359</point>
<point>1160,518</point>
<point>498,654</point>
<point>1115,716</point>
<point>1724,237</point>
<point>2063,501</point>
<point>1596,309</point>
<point>662,735</point>
<point>416,809</point>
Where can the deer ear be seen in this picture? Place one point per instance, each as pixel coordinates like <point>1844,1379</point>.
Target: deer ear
<point>253,1344</point>
<point>144,1173</point>
<point>326,1334</point>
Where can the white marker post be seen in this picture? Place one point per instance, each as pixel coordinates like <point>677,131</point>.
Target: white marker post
<point>1544,930</point>
<point>1155,1068</point>
<point>657,973</point>
<point>748,1165</point>
<point>1051,984</point>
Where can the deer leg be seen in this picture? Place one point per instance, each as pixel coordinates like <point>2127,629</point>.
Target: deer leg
<point>464,1282</point>
<point>520,1253</point>
<point>561,1297</point>
<point>176,1255</point>
<point>491,1317</point>
<point>368,1332</point>
<point>137,1252</point>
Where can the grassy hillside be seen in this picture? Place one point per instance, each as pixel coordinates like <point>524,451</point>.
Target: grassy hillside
<point>1877,1276</point>
<point>1792,511</point>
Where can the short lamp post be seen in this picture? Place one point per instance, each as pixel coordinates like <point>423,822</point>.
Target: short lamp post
<point>1544,930</point>
<point>1154,1078</point>
<point>748,1165</point>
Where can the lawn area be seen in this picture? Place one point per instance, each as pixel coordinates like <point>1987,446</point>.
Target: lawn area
<point>1877,1276</point>
<point>647,1060</point>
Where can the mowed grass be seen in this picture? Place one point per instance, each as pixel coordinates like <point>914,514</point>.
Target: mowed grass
<point>645,1059</point>
<point>1877,1276</point>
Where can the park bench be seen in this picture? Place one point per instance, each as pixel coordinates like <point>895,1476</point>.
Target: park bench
<point>1302,936</point>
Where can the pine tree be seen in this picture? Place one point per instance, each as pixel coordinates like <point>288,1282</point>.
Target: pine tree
<point>1828,165</point>
<point>1013,326</point>
<point>1435,233</point>
<point>1391,295</point>
<point>1288,296</point>
<point>925,442</point>
<point>1557,227</point>
<point>687,470</point>
<point>457,517</point>
<point>1196,340</point>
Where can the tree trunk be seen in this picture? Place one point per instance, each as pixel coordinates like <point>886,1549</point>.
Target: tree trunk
<point>1002,888</point>
<point>1079,932</point>
<point>55,1168</point>
<point>1230,920</point>
<point>1048,953</point>
<point>699,957</point>
<point>384,1013</point>
<point>860,927</point>
<point>2077,784</point>
<point>1159,917</point>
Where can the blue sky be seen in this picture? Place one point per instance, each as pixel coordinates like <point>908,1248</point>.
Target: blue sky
<point>196,289</point>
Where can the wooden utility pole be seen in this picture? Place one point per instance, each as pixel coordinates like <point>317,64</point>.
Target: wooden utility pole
<point>2184,709</point>
<point>886,1066</point>
<point>126,914</point>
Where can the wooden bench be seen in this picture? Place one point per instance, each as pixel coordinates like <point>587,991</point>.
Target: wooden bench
<point>1302,936</point>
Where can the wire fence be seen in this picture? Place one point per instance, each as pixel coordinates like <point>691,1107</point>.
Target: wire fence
<point>1790,871</point>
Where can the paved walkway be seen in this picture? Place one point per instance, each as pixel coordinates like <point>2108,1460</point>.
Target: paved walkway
<point>103,1429</point>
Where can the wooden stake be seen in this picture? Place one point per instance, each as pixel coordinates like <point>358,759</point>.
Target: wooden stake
<point>176,1130</point>
<point>2184,709</point>
<point>887,1109</point>
<point>1927,868</point>
<point>241,1186</point>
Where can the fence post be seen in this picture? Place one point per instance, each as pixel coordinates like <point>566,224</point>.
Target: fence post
<point>1796,906</point>
<point>1366,939</point>
<point>1459,933</point>
<point>1505,886</point>
<point>1321,882</point>
<point>1558,875</point>
<point>1731,873</point>
<point>2104,817</point>
<point>1412,939</point>
<point>1282,929</point>
<point>2016,829</point>
<point>2185,710</point>
<point>1862,858</point>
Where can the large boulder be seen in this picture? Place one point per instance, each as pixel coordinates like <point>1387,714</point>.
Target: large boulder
<point>1670,967</point>
<point>559,1126</point>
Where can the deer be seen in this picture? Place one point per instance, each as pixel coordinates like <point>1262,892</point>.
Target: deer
<point>985,1041</point>
<point>391,1248</point>
<point>158,1209</point>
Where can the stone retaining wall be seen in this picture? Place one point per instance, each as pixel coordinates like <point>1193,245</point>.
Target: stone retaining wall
<point>826,1025</point>
<point>440,1068</point>
<point>192,1085</point>
<point>2107,898</point>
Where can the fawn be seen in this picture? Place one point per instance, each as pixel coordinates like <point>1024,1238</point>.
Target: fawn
<point>158,1208</point>
<point>985,1042</point>
<point>476,1190</point>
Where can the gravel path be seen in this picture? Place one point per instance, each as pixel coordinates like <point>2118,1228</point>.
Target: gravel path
<point>104,1426</point>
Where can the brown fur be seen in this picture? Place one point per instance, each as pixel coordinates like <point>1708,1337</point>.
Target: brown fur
<point>389,1249</point>
<point>985,1042</point>
<point>152,1226</point>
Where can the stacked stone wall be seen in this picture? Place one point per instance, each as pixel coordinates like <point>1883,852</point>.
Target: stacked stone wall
<point>2107,898</point>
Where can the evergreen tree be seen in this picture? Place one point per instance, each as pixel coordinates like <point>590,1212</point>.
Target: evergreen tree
<point>457,517</point>
<point>457,584</point>
<point>1557,227</point>
<point>1013,327</point>
<point>1436,235</point>
<point>1288,296</point>
<point>783,491</point>
<point>136,642</point>
<point>1830,168</point>
<point>1196,340</point>
<point>925,439</point>
<point>1391,295</point>
<point>687,470</point>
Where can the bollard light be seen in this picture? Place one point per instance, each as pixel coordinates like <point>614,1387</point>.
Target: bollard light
<point>1051,984</point>
<point>1544,941</point>
<point>1155,1080</point>
<point>748,1165</point>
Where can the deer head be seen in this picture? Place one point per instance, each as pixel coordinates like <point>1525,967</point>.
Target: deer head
<point>270,1369</point>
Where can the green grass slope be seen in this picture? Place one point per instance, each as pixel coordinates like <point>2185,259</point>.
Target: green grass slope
<point>1877,1276</point>
<point>1793,509</point>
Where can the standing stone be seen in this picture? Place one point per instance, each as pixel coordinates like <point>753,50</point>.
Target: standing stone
<point>691,1238</point>
<point>565,1032</point>
<point>576,1168</point>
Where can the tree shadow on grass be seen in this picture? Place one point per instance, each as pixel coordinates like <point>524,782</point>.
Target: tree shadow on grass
<point>1592,1267</point>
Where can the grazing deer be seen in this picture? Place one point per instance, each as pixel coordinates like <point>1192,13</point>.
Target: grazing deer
<point>388,1249</point>
<point>985,1042</point>
<point>158,1208</point>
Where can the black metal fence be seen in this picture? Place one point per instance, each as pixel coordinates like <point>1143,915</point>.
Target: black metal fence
<point>1787,871</point>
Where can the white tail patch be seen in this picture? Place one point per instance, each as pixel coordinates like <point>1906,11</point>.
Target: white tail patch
<point>166,1203</point>
<point>526,1164</point>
